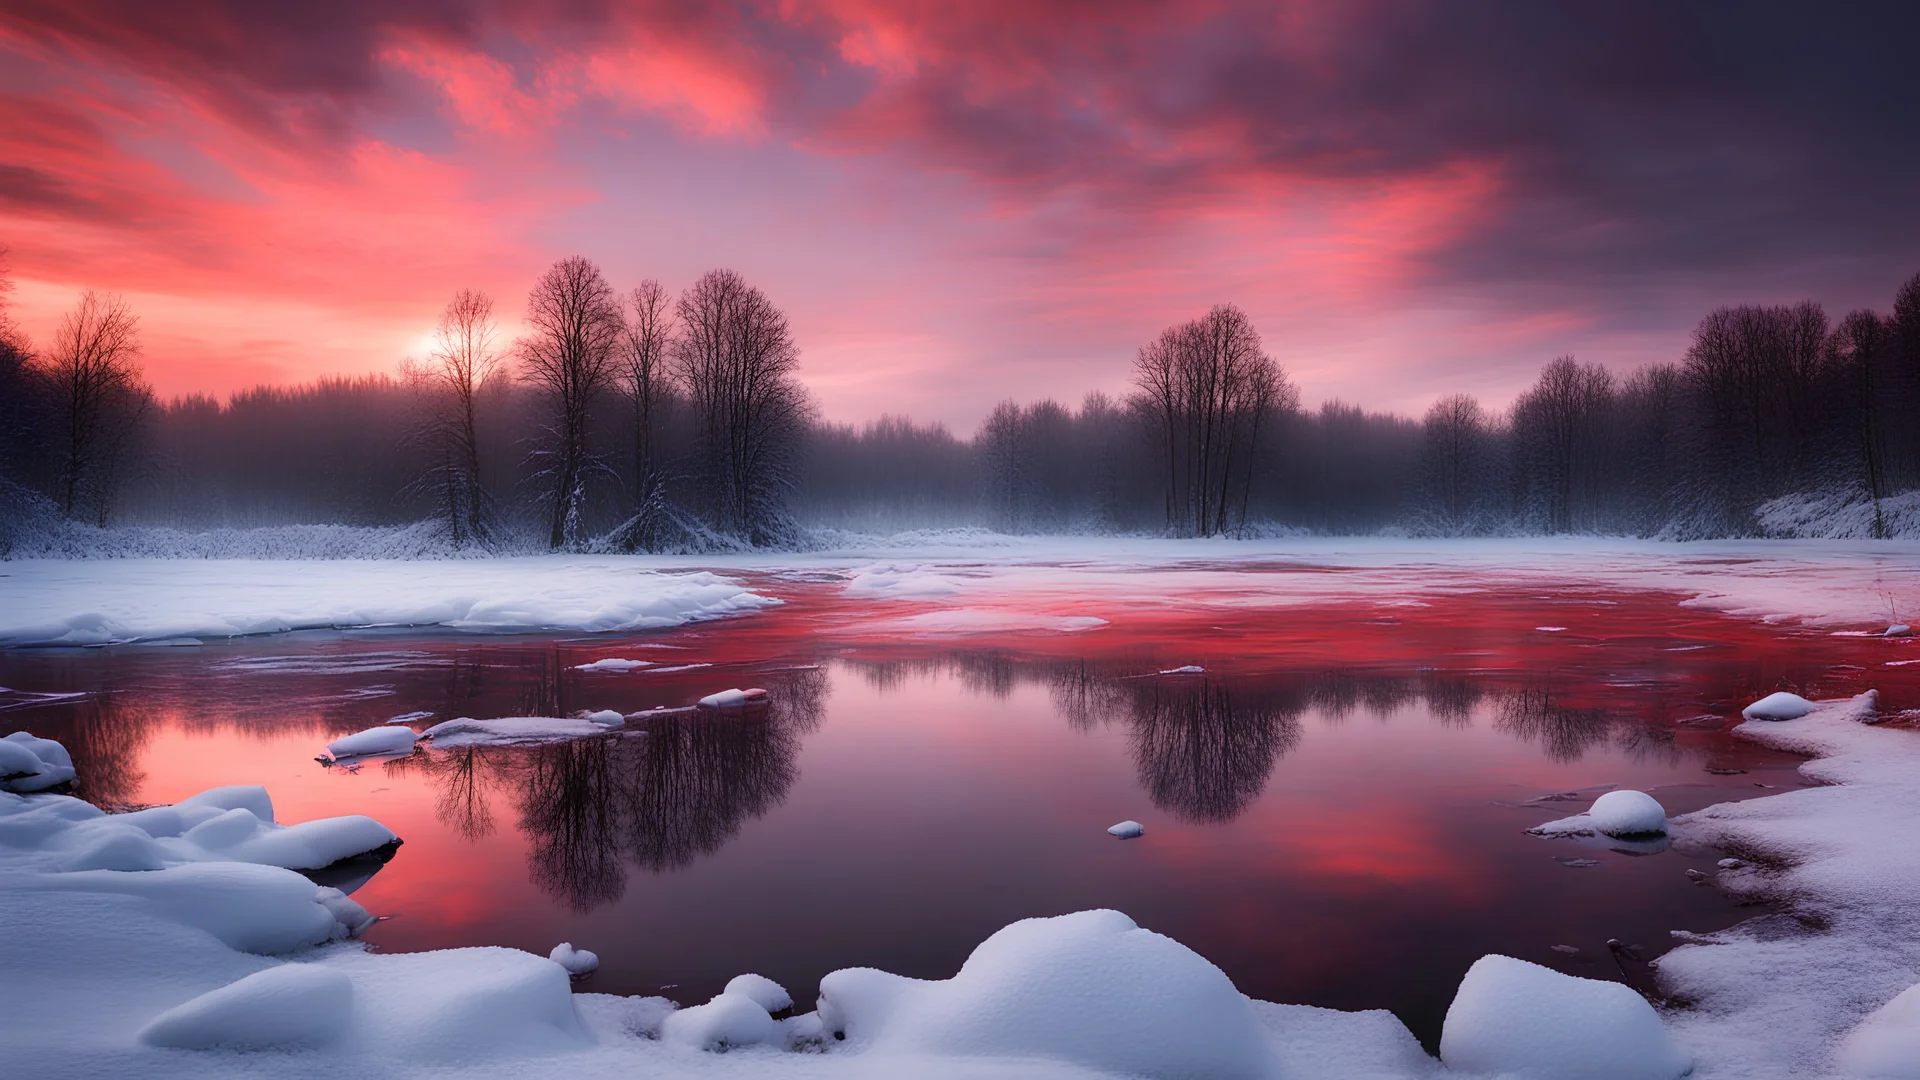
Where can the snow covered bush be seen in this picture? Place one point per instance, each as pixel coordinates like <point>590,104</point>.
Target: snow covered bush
<point>28,763</point>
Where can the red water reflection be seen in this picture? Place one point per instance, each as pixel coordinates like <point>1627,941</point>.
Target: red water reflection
<point>1334,809</point>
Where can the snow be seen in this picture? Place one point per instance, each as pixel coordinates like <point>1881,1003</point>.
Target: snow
<point>1839,515</point>
<point>1886,1045</point>
<point>52,602</point>
<point>613,664</point>
<point>1127,830</point>
<point>728,1021</point>
<point>576,961</point>
<point>885,582</point>
<point>984,621</point>
<point>1090,989</point>
<point>510,731</point>
<point>410,717</point>
<point>768,994</point>
<point>29,763</point>
<point>294,1005</point>
<point>733,699</point>
<point>1513,1018</point>
<point>379,740</point>
<point>1621,814</point>
<point>1898,629</point>
<point>1186,669</point>
<point>1779,705</point>
<point>606,717</point>
<point>1774,998</point>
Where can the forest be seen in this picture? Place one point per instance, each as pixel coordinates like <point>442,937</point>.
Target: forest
<point>644,421</point>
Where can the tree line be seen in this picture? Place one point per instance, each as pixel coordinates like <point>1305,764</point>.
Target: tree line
<point>648,421</point>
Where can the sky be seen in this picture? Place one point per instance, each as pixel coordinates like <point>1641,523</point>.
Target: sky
<point>962,203</point>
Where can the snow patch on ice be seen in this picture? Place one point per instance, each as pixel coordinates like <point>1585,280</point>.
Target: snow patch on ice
<point>379,740</point>
<point>510,731</point>
<point>1621,814</point>
<point>613,664</point>
<point>884,582</point>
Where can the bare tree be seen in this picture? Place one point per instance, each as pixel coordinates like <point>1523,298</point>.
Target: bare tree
<point>94,372</point>
<point>735,358</point>
<point>1210,387</point>
<point>645,339</point>
<point>1453,461</point>
<point>569,356</point>
<point>1557,426</point>
<point>1857,355</point>
<point>465,355</point>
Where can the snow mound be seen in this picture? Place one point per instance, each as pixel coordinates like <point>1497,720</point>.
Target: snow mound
<point>1779,705</point>
<point>29,763</point>
<point>1898,629</point>
<point>1621,814</point>
<point>1128,829</point>
<point>452,1006</point>
<point>734,699</point>
<point>1886,1045</point>
<point>900,583</point>
<point>293,1005</point>
<point>379,740</point>
<point>1090,989</point>
<point>613,664</point>
<point>606,717</point>
<point>509,731</point>
<point>1517,1019</point>
<point>729,1020</point>
<point>770,995</point>
<point>254,909</point>
<point>576,961</point>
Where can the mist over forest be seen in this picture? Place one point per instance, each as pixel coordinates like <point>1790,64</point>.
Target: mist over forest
<point>644,421</point>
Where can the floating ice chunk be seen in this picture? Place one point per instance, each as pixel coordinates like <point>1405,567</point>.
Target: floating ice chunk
<point>510,731</point>
<point>1514,1018</point>
<point>293,1005</point>
<point>1622,814</point>
<point>379,740</point>
<point>729,1020</point>
<point>410,717</point>
<point>734,699</point>
<point>1551,629</point>
<point>30,763</point>
<point>606,717</point>
<point>1899,629</point>
<point>576,961</point>
<point>770,995</point>
<point>613,664</point>
<point>1089,989</point>
<point>1886,1045</point>
<point>1127,830</point>
<point>1188,669</point>
<point>1628,813</point>
<point>1779,705</point>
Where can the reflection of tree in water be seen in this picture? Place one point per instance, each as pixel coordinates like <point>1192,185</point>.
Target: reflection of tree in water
<point>1565,732</point>
<point>658,800</point>
<point>106,735</point>
<point>1085,697</point>
<point>1203,752</point>
<point>1450,697</point>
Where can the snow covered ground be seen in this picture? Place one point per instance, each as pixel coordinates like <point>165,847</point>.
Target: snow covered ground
<point>967,581</point>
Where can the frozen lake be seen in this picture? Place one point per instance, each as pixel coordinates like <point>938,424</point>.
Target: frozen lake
<point>1334,806</point>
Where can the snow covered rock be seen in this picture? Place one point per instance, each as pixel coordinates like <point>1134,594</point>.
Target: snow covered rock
<point>613,664</point>
<point>728,1021</point>
<point>1628,813</point>
<point>734,699</point>
<point>606,717</point>
<point>576,961</point>
<point>1886,1045</point>
<point>770,995</point>
<point>1090,989</point>
<point>1899,629</point>
<point>29,763</point>
<point>1513,1018</point>
<point>1779,705</point>
<point>1128,829</point>
<point>380,740</point>
<point>510,731</point>
<point>293,1005</point>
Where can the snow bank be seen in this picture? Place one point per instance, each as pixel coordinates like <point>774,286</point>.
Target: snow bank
<point>380,740</point>
<point>1886,1045</point>
<point>45,602</point>
<point>1840,515</point>
<point>1774,998</point>
<point>1089,989</point>
<point>576,961</point>
<point>294,1005</point>
<point>1513,1018</point>
<point>29,763</point>
<point>512,730</point>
